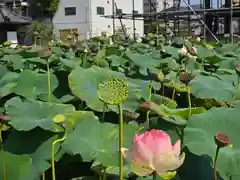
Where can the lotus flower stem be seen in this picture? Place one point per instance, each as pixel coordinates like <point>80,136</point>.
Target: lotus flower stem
<point>154,175</point>
<point>53,153</point>
<point>103,114</point>
<point>189,102</point>
<point>175,82</point>
<point>49,83</point>
<point>149,99</point>
<point>237,88</point>
<point>43,176</point>
<point>120,141</point>
<point>215,164</point>
<point>2,158</point>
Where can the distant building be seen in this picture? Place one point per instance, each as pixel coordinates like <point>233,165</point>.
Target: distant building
<point>85,17</point>
<point>154,6</point>
<point>11,22</point>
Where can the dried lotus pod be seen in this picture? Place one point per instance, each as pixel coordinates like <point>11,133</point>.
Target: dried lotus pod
<point>75,33</point>
<point>45,53</point>
<point>186,77</point>
<point>222,140</point>
<point>237,69</point>
<point>69,37</point>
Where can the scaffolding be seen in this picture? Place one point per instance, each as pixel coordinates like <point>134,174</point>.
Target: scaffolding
<point>210,19</point>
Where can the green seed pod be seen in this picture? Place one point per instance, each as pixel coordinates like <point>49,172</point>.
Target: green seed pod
<point>113,91</point>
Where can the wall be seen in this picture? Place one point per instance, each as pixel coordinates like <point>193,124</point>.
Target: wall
<point>100,24</point>
<point>80,20</point>
<point>89,22</point>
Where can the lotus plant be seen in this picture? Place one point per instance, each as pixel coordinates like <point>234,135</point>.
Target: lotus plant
<point>153,153</point>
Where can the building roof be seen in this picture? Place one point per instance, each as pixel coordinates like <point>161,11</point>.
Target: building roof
<point>8,16</point>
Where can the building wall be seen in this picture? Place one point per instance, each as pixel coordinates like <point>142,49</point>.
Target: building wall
<point>89,22</point>
<point>79,21</point>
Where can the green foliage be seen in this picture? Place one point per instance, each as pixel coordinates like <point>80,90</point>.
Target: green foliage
<point>40,32</point>
<point>48,6</point>
<point>36,91</point>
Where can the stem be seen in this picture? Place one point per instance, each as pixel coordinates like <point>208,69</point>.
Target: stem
<point>3,158</point>
<point>189,103</point>
<point>103,114</point>
<point>154,176</point>
<point>53,153</point>
<point>175,82</point>
<point>120,140</point>
<point>49,83</point>
<point>149,99</point>
<point>215,164</point>
<point>162,91</point>
<point>237,88</point>
<point>43,176</point>
<point>35,41</point>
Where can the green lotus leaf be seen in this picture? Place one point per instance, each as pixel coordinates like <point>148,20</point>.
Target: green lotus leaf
<point>35,84</point>
<point>84,84</point>
<point>17,170</point>
<point>199,137</point>
<point>7,81</point>
<point>30,53</point>
<point>209,87</point>
<point>116,60</point>
<point>28,114</point>
<point>101,144</point>
<point>38,146</point>
<point>175,116</point>
<point>144,62</point>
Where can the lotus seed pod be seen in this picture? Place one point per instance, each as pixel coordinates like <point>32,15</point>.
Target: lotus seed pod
<point>113,91</point>
<point>222,140</point>
<point>75,33</point>
<point>59,118</point>
<point>186,77</point>
<point>35,33</point>
<point>69,37</point>
<point>45,53</point>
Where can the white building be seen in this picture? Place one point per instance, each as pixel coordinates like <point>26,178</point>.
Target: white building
<point>84,16</point>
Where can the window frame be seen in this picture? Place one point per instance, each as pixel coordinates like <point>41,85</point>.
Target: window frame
<point>70,13</point>
<point>100,10</point>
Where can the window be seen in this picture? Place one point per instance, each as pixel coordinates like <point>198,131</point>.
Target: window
<point>119,12</point>
<point>70,11</point>
<point>100,11</point>
<point>135,12</point>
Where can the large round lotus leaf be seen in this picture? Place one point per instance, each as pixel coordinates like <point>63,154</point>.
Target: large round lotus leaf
<point>17,166</point>
<point>35,84</point>
<point>38,146</point>
<point>84,84</point>
<point>28,114</point>
<point>209,87</point>
<point>101,144</point>
<point>199,137</point>
<point>113,91</point>
<point>144,62</point>
<point>7,81</point>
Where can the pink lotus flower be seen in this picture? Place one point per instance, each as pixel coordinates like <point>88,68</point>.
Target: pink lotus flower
<point>153,151</point>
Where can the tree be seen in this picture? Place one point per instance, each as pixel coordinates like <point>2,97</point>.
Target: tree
<point>49,6</point>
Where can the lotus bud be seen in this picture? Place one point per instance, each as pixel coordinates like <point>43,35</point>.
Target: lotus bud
<point>198,39</point>
<point>183,51</point>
